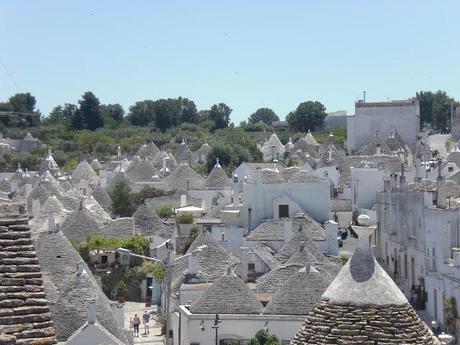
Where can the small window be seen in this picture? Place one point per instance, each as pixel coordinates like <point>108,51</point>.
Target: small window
<point>283,211</point>
<point>251,266</point>
<point>450,169</point>
<point>104,259</point>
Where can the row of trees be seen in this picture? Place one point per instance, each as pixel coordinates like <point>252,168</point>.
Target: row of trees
<point>435,110</point>
<point>20,102</point>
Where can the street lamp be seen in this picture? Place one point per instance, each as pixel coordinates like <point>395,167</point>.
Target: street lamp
<point>216,327</point>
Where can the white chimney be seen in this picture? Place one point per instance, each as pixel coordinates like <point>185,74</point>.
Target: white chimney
<point>244,258</point>
<point>193,263</point>
<point>183,200</point>
<point>80,269</point>
<point>378,150</point>
<point>28,187</point>
<point>118,151</point>
<point>332,231</point>
<point>51,223</point>
<point>441,194</point>
<point>287,230</point>
<point>456,258</point>
<point>91,313</point>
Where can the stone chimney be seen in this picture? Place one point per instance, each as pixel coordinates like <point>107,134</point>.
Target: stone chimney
<point>378,150</point>
<point>402,180</point>
<point>441,194</point>
<point>244,257</point>
<point>332,231</point>
<point>80,269</point>
<point>91,313</point>
<point>273,152</point>
<point>387,184</point>
<point>28,187</point>
<point>302,246</point>
<point>51,224</point>
<point>287,230</point>
<point>193,263</point>
<point>183,200</point>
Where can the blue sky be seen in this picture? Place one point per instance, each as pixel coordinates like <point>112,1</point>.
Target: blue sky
<point>248,54</point>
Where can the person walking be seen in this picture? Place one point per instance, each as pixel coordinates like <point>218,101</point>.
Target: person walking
<point>146,320</point>
<point>136,323</point>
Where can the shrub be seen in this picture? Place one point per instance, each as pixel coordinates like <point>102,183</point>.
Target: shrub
<point>164,211</point>
<point>186,218</point>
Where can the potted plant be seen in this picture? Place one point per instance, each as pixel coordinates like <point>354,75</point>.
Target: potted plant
<point>121,291</point>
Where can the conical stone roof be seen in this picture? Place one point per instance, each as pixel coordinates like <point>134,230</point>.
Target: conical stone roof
<point>103,198</point>
<point>149,151</point>
<point>363,306</point>
<point>228,295</point>
<point>217,178</point>
<point>185,178</point>
<point>95,208</point>
<point>96,165</point>
<point>80,224</point>
<point>300,294</point>
<point>142,172</point>
<point>202,153</point>
<point>147,223</point>
<point>84,172</point>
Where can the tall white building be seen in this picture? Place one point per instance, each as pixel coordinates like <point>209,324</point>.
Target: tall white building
<point>384,118</point>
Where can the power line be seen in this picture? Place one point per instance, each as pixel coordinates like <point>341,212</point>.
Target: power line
<point>9,75</point>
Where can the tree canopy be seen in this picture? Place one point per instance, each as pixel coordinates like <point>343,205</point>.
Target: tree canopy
<point>308,116</point>
<point>220,114</point>
<point>142,113</point>
<point>90,116</point>
<point>262,337</point>
<point>23,102</point>
<point>435,108</point>
<point>265,115</point>
<point>122,200</point>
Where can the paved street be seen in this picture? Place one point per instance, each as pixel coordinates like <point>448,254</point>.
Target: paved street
<point>153,338</point>
<point>438,142</point>
<point>350,244</point>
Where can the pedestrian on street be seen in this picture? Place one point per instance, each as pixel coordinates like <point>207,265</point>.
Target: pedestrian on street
<point>136,323</point>
<point>146,320</point>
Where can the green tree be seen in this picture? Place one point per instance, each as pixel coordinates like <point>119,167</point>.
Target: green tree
<point>23,102</point>
<point>220,114</point>
<point>90,112</point>
<point>308,116</point>
<point>113,112</point>
<point>122,200</point>
<point>167,113</point>
<point>265,115</point>
<point>188,111</point>
<point>435,108</point>
<point>62,115</point>
<point>164,211</point>
<point>146,192</point>
<point>262,337</point>
<point>142,113</point>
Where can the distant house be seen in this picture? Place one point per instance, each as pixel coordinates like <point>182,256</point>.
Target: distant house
<point>29,143</point>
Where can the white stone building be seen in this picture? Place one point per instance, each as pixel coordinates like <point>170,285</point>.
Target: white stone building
<point>417,240</point>
<point>384,117</point>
